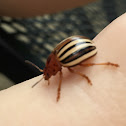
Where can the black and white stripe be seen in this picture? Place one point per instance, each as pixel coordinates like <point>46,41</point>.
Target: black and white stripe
<point>75,51</point>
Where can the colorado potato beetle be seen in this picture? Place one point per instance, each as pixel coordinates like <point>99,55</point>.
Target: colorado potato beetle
<point>69,53</point>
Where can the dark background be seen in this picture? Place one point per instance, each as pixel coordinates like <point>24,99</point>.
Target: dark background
<point>34,38</point>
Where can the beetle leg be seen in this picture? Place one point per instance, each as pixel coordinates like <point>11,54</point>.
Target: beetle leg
<point>59,87</point>
<point>92,64</point>
<point>48,82</point>
<point>81,74</point>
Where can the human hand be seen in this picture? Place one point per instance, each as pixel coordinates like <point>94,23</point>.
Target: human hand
<point>103,103</point>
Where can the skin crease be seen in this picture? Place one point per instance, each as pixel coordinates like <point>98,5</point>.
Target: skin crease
<point>103,103</point>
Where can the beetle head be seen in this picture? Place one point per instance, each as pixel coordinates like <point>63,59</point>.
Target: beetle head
<point>52,66</point>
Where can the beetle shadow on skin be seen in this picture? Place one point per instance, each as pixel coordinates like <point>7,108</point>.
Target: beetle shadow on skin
<point>69,77</point>
<point>69,80</point>
<point>53,83</point>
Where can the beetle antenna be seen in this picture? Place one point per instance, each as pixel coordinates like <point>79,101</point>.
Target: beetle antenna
<point>37,82</point>
<point>29,62</point>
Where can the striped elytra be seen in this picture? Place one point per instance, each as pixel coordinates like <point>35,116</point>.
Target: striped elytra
<point>74,50</point>
<point>69,53</point>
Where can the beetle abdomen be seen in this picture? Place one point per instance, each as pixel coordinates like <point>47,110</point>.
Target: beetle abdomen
<point>76,50</point>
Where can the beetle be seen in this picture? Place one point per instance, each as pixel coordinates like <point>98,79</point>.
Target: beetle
<point>68,53</point>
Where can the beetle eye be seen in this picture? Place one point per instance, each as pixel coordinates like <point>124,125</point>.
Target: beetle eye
<point>47,74</point>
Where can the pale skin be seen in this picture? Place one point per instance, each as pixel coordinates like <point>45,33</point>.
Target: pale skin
<point>102,104</point>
